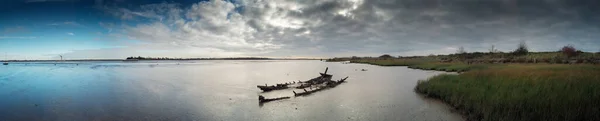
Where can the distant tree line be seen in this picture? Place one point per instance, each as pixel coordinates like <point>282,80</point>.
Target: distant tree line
<point>566,54</point>
<point>167,58</point>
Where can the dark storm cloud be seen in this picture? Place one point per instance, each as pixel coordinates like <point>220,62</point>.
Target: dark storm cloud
<point>475,23</point>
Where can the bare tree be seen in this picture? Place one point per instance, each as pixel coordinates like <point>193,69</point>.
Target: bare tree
<point>493,49</point>
<point>461,50</point>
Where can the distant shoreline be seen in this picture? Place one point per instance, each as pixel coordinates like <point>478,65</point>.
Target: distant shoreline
<point>153,59</point>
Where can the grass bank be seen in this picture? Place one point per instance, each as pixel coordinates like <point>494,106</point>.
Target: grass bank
<point>425,64</point>
<point>451,67</point>
<point>393,62</point>
<point>509,91</point>
<point>520,92</point>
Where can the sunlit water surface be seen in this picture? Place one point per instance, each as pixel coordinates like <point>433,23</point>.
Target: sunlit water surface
<point>210,90</point>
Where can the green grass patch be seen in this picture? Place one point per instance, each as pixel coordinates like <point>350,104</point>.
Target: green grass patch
<point>451,67</point>
<point>425,64</point>
<point>520,92</point>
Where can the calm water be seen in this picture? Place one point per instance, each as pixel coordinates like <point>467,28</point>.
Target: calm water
<point>210,90</point>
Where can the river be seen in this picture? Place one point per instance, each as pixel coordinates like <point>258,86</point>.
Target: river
<point>211,90</point>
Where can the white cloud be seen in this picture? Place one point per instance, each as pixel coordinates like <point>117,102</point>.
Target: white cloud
<point>212,24</point>
<point>146,50</point>
<point>333,27</point>
<point>69,23</point>
<point>216,24</point>
<point>16,29</point>
<point>108,26</point>
<point>70,33</point>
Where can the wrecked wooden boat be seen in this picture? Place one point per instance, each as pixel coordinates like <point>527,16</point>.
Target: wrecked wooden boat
<point>262,99</point>
<point>335,83</point>
<point>273,87</point>
<point>318,80</point>
<point>316,84</point>
<point>324,77</point>
<point>321,79</point>
<point>307,92</point>
<point>328,84</point>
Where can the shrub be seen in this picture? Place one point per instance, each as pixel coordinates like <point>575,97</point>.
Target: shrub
<point>521,49</point>
<point>569,51</point>
<point>385,56</point>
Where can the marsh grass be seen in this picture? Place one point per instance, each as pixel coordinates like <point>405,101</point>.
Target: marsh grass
<point>394,62</point>
<point>425,64</point>
<point>451,67</point>
<point>520,92</point>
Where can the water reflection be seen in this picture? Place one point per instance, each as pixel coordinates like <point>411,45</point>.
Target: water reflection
<point>209,90</point>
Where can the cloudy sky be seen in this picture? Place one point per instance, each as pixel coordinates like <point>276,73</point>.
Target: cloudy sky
<point>95,29</point>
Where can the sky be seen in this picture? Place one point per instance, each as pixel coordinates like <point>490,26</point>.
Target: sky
<point>115,29</point>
